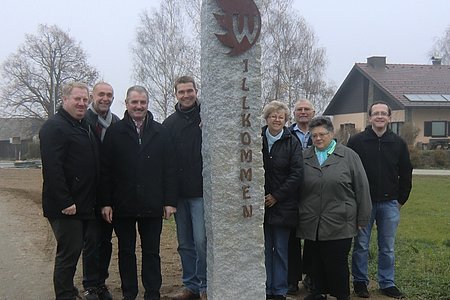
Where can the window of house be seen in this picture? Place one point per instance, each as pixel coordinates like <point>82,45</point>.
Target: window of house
<point>347,126</point>
<point>435,128</point>
<point>396,127</point>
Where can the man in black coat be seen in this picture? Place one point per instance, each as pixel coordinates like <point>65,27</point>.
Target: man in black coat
<point>69,169</point>
<point>99,117</point>
<point>185,129</point>
<point>138,185</point>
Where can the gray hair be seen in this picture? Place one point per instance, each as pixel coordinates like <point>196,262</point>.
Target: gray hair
<point>321,121</point>
<point>138,89</point>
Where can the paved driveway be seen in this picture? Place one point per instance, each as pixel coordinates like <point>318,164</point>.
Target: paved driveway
<point>431,172</point>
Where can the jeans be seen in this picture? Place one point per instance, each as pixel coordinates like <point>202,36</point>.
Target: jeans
<point>276,239</point>
<point>98,257</point>
<point>387,216</point>
<point>191,235</point>
<point>71,236</point>
<point>150,233</point>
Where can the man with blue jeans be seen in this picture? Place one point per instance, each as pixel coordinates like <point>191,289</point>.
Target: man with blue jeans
<point>386,160</point>
<point>185,129</point>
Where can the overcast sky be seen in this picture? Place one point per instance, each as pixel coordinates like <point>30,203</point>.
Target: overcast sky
<point>350,30</point>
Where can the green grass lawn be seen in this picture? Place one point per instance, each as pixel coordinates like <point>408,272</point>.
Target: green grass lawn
<point>423,241</point>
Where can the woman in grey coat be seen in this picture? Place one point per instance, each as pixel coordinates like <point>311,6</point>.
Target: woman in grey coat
<point>334,203</point>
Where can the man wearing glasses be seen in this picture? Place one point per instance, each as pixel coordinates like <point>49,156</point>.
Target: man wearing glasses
<point>303,113</point>
<point>386,160</point>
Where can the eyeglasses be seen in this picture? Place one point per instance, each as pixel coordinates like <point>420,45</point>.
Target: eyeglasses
<point>320,134</point>
<point>380,113</point>
<point>274,117</point>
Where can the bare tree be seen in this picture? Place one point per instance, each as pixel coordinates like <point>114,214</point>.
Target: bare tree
<point>293,65</point>
<point>441,48</point>
<point>192,11</point>
<point>163,51</point>
<point>34,75</point>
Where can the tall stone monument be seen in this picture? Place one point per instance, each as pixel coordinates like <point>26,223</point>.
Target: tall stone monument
<point>232,160</point>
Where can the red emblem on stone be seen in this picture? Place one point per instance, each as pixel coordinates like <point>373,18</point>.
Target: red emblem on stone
<point>242,21</point>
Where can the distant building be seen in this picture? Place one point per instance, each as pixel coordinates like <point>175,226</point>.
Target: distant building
<point>419,94</point>
<point>16,136</point>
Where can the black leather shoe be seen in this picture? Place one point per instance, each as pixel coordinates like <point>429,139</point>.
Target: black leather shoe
<point>393,292</point>
<point>316,297</point>
<point>292,289</point>
<point>360,289</point>
<point>90,294</point>
<point>103,293</point>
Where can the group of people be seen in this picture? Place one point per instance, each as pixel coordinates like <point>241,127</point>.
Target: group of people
<point>329,195</point>
<point>103,174</point>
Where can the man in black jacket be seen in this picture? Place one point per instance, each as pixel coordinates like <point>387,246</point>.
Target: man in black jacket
<point>138,185</point>
<point>99,118</point>
<point>386,160</point>
<point>69,169</point>
<point>185,129</point>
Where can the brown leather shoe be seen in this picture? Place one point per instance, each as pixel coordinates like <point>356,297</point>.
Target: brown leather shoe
<point>203,296</point>
<point>186,294</point>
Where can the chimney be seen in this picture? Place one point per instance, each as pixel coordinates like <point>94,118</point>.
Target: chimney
<point>377,62</point>
<point>436,61</point>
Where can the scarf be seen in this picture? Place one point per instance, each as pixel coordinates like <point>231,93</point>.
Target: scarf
<point>322,155</point>
<point>272,139</point>
<point>103,122</point>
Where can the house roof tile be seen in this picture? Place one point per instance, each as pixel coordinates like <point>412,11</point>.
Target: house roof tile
<point>400,79</point>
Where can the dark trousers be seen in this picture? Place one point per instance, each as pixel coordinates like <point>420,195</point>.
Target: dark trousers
<point>307,258</point>
<point>99,256</point>
<point>294,258</point>
<point>330,267</point>
<point>150,233</point>
<point>71,236</point>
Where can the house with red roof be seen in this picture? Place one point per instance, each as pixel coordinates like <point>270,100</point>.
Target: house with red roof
<point>417,94</point>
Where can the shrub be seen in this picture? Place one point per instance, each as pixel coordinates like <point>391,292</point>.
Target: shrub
<point>440,158</point>
<point>416,158</point>
<point>342,135</point>
<point>409,133</point>
<point>429,159</point>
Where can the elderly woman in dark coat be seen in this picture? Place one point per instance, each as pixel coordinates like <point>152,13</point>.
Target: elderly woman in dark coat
<point>283,166</point>
<point>335,202</point>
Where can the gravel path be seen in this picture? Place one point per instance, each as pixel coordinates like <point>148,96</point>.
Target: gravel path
<point>27,246</point>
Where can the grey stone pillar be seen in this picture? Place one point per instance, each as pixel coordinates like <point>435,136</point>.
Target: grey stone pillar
<point>232,161</point>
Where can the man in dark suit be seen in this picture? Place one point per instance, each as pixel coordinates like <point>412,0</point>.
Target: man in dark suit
<point>99,118</point>
<point>138,186</point>
<point>69,169</point>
